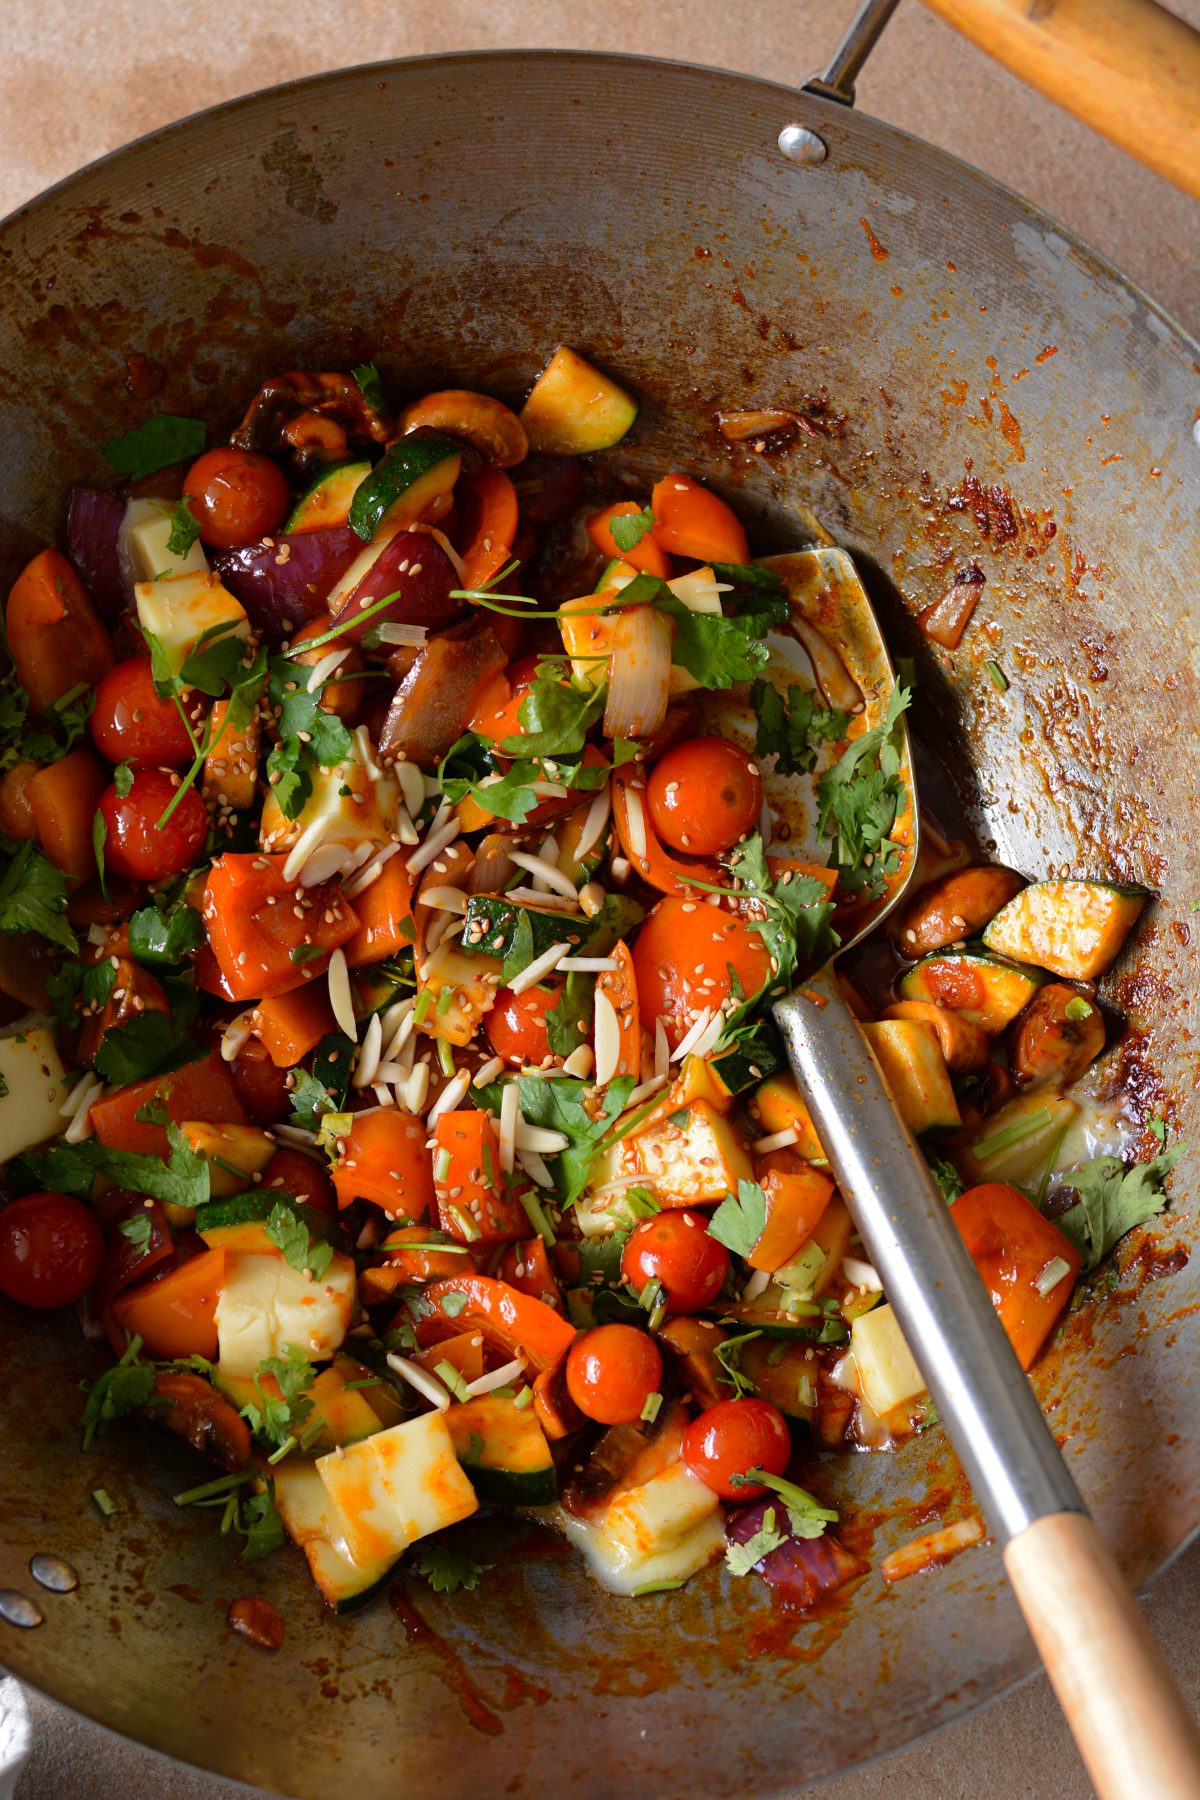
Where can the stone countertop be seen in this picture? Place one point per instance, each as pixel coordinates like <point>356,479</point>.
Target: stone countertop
<point>77,80</point>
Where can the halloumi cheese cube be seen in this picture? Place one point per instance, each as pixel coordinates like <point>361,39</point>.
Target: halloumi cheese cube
<point>397,1486</point>
<point>32,1089</point>
<point>266,1307</point>
<point>144,532</point>
<point>180,609</point>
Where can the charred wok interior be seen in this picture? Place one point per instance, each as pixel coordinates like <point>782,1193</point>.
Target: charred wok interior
<point>1045,734</point>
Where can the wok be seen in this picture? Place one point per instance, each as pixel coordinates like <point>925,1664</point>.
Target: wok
<point>981,388</point>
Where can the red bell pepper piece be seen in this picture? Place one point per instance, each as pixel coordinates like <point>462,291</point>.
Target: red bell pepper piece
<point>516,1322</point>
<point>202,1090</point>
<point>1012,1246</point>
<point>256,921</point>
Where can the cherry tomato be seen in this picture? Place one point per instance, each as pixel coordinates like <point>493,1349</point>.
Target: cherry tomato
<point>732,1437</point>
<point>516,1025</point>
<point>612,1372</point>
<point>298,1175</point>
<point>235,496</point>
<point>682,956</point>
<point>675,1248</point>
<point>263,1087</point>
<point>704,795</point>
<point>129,723</point>
<point>51,1248</point>
<point>133,844</point>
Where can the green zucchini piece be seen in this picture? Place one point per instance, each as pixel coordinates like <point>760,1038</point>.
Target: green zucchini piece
<point>416,471</point>
<point>615,567</point>
<point>1073,928</point>
<point>327,501</point>
<point>310,1520</point>
<point>573,409</point>
<point>751,1061</point>
<point>504,1451</point>
<point>254,1207</point>
<point>800,1328</point>
<point>986,989</point>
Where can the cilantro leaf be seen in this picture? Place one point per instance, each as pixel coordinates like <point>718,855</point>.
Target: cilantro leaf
<point>558,1105</point>
<point>447,1571</point>
<point>806,1516</point>
<point>370,386</point>
<point>860,799</point>
<point>185,529</point>
<point>155,444</point>
<point>119,1390</point>
<point>628,529</point>
<point>308,735</point>
<point>291,1237</point>
<point>947,1177</point>
<point>555,715</point>
<point>600,1260</point>
<point>739,1222</point>
<point>276,1416</point>
<point>163,938</point>
<point>137,1230</point>
<point>149,1043</point>
<point>33,897</point>
<point>793,728</point>
<point>716,650</point>
<point>742,1559</point>
<point>1112,1200</point>
<point>310,1098</point>
<point>750,575</point>
<point>728,1354</point>
<point>183,1180</point>
<point>797,913</point>
<point>260,1524</point>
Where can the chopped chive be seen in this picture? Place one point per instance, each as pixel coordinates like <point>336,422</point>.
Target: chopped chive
<point>998,677</point>
<point>1078,1008</point>
<point>452,1378</point>
<point>424,1002</point>
<point>209,1488</point>
<point>536,1215</point>
<point>656,1587</point>
<point>285,1449</point>
<point>446,1056</point>
<point>466,1225</point>
<point>1051,1275</point>
<point>441,1164</point>
<point>1013,1134</point>
<point>524,1399</point>
<point>652,1408</point>
<point>445,1000</point>
<point>335,631</point>
<point>106,1506</point>
<point>348,1387</point>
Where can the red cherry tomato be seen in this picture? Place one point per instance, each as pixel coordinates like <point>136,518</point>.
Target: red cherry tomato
<point>51,1248</point>
<point>235,496</point>
<point>298,1175</point>
<point>675,1248</point>
<point>263,1087</point>
<point>733,1437</point>
<point>612,1372</point>
<point>133,844</point>
<point>516,1025</point>
<point>682,956</point>
<point>129,723</point>
<point>705,794</point>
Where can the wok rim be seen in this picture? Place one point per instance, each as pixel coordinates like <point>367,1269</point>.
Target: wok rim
<point>1011,203</point>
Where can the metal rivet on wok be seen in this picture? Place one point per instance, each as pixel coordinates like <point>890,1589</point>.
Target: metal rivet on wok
<point>53,1573</point>
<point>17,1608</point>
<point>801,145</point>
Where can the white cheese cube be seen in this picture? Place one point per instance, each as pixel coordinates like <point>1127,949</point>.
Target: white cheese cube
<point>397,1486</point>
<point>180,609</point>
<point>143,542</point>
<point>887,1371</point>
<point>32,1089</point>
<point>660,1513</point>
<point>267,1306</point>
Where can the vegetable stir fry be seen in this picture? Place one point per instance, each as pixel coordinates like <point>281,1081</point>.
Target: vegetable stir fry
<point>406,839</point>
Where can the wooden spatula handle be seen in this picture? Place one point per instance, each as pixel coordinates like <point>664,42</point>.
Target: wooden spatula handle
<point>1128,68</point>
<point>1133,1729</point>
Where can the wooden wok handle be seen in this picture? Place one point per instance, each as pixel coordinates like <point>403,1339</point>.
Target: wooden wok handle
<point>1128,68</point>
<point>1133,1730</point>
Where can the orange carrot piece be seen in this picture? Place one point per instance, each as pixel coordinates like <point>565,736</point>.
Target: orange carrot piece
<point>56,640</point>
<point>383,1158</point>
<point>384,913</point>
<point>63,798</point>
<point>176,1316</point>
<point>290,1025</point>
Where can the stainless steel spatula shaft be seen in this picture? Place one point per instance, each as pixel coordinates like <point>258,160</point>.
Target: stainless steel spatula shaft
<point>986,1403</point>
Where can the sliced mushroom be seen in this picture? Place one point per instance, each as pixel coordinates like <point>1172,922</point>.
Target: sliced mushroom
<point>315,416</point>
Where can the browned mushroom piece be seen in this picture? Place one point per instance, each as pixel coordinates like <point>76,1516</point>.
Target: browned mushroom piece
<point>964,1046</point>
<point>1060,1032</point>
<point>434,702</point>
<point>956,907</point>
<point>315,416</point>
<point>257,1621</point>
<point>202,1417</point>
<point>693,1345</point>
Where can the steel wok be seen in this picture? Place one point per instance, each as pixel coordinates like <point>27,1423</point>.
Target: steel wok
<point>981,388</point>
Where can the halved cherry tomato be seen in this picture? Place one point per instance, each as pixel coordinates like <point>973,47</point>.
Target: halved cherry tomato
<point>690,520</point>
<point>51,1248</point>
<point>675,1249</point>
<point>733,1437</point>
<point>134,846</point>
<point>612,1372</point>
<point>704,795</point>
<point>263,1086</point>
<point>646,554</point>
<point>658,867</point>
<point>682,957</point>
<point>516,1025</point>
<point>235,497</point>
<point>129,723</point>
<point>298,1175</point>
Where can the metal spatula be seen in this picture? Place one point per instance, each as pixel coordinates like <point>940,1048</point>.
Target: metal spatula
<point>1129,1721</point>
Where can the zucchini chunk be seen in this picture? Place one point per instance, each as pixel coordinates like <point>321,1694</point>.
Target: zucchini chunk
<point>412,480</point>
<point>327,501</point>
<point>573,409</point>
<point>504,1451</point>
<point>987,990</point>
<point>1072,928</point>
<point>887,1369</point>
<point>910,1056</point>
<point>311,1521</point>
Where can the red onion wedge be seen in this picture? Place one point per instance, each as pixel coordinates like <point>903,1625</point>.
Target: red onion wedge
<point>284,582</point>
<point>94,518</point>
<point>803,1570</point>
<point>415,568</point>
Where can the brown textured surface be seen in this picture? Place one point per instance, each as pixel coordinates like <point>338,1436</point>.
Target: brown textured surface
<point>134,67</point>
